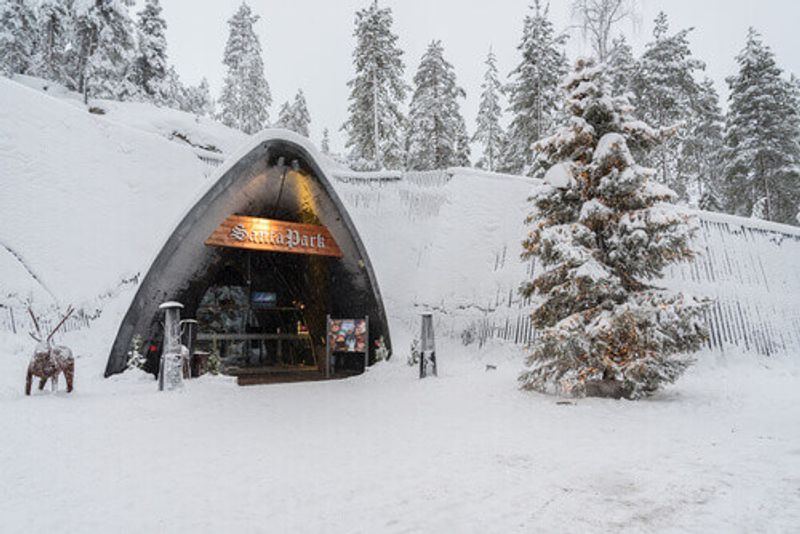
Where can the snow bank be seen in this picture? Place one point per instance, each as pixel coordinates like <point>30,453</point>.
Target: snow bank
<point>208,136</point>
<point>386,452</point>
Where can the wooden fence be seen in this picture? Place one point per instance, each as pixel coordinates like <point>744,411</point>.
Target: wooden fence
<point>749,269</point>
<point>750,272</point>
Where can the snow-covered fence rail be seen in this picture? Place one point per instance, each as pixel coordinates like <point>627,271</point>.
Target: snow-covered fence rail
<point>749,271</point>
<point>17,320</point>
<point>213,161</point>
<point>14,316</point>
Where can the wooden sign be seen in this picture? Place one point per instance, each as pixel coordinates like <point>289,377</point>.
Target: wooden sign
<point>252,233</point>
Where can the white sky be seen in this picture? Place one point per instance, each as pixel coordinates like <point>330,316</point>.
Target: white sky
<point>308,43</point>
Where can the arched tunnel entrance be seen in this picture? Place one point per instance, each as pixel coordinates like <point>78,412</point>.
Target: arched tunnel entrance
<point>261,262</point>
<point>264,312</point>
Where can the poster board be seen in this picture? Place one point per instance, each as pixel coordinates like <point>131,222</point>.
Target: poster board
<point>346,336</point>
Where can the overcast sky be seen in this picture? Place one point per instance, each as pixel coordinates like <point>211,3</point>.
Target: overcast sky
<point>308,43</point>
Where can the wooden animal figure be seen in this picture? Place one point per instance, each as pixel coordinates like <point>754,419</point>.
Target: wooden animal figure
<point>49,361</point>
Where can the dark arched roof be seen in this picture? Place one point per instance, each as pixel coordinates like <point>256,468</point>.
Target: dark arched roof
<point>252,185</point>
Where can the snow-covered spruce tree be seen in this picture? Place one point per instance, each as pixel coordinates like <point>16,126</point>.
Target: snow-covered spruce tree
<point>295,116</point>
<point>325,145</point>
<point>374,127</point>
<point>245,99</point>
<point>284,116</point>
<point>198,100</point>
<point>150,69</point>
<point>603,230</point>
<point>436,127</point>
<point>175,96</point>
<point>762,154</point>
<point>620,66</point>
<point>701,153</point>
<point>106,48</point>
<point>463,149</point>
<point>533,89</point>
<point>56,32</point>
<point>136,356</point>
<point>489,133</point>
<point>18,36</point>
<point>664,89</point>
<point>302,118</point>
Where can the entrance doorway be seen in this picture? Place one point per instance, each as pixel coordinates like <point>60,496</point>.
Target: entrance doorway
<point>264,314</point>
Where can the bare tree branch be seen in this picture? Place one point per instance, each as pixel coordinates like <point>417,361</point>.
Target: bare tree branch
<point>598,18</point>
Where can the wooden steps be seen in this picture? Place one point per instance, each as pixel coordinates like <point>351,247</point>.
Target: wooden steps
<point>281,375</point>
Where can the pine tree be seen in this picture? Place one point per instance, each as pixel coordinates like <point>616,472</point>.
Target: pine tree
<point>325,145</point>
<point>105,49</point>
<point>175,92</point>
<point>702,148</point>
<point>295,116</point>
<point>18,36</point>
<point>603,230</point>
<point>151,58</point>
<point>245,97</point>
<point>621,66</point>
<point>302,114</point>
<point>489,133</point>
<point>197,99</point>
<point>762,155</point>
<point>56,32</point>
<point>665,88</point>
<point>374,127</point>
<point>284,116</point>
<point>533,90</point>
<point>795,82</point>
<point>463,150</point>
<point>204,102</point>
<point>437,130</point>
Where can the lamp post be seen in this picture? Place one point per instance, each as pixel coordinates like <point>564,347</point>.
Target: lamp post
<point>427,347</point>
<point>170,373</point>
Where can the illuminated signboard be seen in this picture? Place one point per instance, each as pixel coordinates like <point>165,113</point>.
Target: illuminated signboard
<point>252,233</point>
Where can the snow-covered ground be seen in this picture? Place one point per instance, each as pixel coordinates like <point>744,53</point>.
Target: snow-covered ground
<point>85,202</point>
<point>386,452</point>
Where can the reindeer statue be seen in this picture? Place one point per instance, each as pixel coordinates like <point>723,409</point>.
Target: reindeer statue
<point>49,361</point>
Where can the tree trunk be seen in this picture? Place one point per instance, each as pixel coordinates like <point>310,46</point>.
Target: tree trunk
<point>607,388</point>
<point>375,137</point>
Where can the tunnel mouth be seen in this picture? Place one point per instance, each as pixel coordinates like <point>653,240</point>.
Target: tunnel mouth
<point>264,263</point>
<point>259,314</point>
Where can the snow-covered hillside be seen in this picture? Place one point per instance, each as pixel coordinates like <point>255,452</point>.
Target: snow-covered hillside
<point>85,196</point>
<point>86,202</point>
<point>89,199</point>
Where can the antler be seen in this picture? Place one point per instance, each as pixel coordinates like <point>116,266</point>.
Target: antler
<point>36,325</point>
<point>70,309</point>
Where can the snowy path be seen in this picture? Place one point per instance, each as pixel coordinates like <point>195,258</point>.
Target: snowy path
<point>720,452</point>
